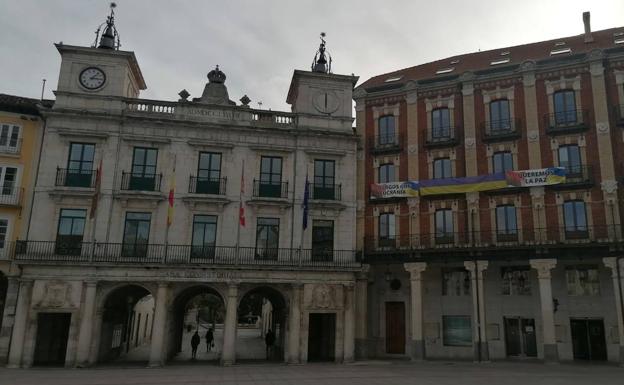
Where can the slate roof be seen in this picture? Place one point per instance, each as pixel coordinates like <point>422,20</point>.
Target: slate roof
<point>22,105</point>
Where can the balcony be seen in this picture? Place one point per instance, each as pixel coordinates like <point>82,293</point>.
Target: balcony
<point>75,178</point>
<point>10,146</point>
<point>500,130</point>
<point>385,144</point>
<point>76,252</point>
<point>580,176</point>
<point>618,115</point>
<point>213,186</point>
<point>325,192</point>
<point>267,189</point>
<point>441,137</point>
<point>11,196</point>
<point>140,182</point>
<point>566,122</point>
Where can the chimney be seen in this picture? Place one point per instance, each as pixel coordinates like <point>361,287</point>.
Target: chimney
<point>588,35</point>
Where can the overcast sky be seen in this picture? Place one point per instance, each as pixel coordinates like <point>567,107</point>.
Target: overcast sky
<point>258,44</point>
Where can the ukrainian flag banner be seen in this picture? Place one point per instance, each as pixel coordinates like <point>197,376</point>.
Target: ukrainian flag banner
<point>463,185</point>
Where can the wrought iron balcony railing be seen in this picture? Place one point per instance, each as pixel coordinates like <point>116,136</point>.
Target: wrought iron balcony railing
<point>75,251</point>
<point>140,182</point>
<point>267,189</point>
<point>566,121</point>
<point>504,129</point>
<point>10,145</point>
<point>214,186</point>
<point>325,192</point>
<point>441,137</point>
<point>75,178</point>
<point>384,144</point>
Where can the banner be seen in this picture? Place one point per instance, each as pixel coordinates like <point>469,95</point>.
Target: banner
<point>463,184</point>
<point>394,190</point>
<point>537,177</point>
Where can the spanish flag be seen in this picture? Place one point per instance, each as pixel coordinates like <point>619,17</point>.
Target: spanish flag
<point>171,199</point>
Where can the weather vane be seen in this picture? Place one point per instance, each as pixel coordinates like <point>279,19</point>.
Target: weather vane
<point>110,37</point>
<point>320,63</point>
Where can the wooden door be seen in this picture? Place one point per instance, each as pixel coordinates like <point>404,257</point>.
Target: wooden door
<point>528,334</point>
<point>512,337</point>
<point>51,342</point>
<point>597,341</point>
<point>395,327</point>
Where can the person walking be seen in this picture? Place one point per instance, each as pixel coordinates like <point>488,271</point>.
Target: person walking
<point>209,339</point>
<point>269,340</point>
<point>194,344</point>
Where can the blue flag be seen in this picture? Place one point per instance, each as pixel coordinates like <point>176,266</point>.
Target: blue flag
<point>306,197</point>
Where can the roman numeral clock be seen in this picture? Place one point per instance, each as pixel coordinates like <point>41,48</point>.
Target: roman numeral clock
<point>92,78</point>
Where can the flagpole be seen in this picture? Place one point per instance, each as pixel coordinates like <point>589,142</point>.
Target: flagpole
<point>170,207</point>
<point>240,210</point>
<point>94,204</point>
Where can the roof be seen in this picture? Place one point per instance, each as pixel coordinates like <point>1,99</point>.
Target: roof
<point>456,65</point>
<point>22,105</point>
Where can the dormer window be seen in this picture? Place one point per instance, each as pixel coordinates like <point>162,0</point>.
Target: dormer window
<point>445,70</point>
<point>560,51</point>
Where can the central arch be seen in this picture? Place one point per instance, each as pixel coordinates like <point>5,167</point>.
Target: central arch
<point>261,310</point>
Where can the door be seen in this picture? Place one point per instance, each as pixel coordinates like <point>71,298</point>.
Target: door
<point>520,337</point>
<point>143,175</point>
<point>136,234</point>
<point>8,186</point>
<point>588,339</point>
<point>51,342</point>
<point>395,327</point>
<point>209,173</point>
<point>512,337</point>
<point>528,337</point>
<point>321,337</point>
<point>80,165</point>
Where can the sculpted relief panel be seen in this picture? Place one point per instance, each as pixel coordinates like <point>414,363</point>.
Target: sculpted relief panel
<point>56,294</point>
<point>323,296</point>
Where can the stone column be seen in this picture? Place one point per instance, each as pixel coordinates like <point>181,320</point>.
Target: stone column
<point>349,323</point>
<point>417,344</point>
<point>618,286</point>
<point>85,333</point>
<point>477,272</point>
<point>361,313</point>
<point>294,326</point>
<point>8,318</point>
<point>94,351</point>
<point>158,329</point>
<point>543,267</point>
<point>21,321</point>
<point>228,355</point>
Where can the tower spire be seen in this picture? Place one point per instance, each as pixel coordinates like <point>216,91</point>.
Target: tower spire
<point>110,38</point>
<point>321,62</point>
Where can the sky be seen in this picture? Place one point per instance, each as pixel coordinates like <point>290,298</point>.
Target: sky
<point>258,44</point>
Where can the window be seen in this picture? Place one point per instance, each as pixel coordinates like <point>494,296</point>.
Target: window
<point>322,240</point>
<point>8,185</point>
<point>499,115</point>
<point>4,227</point>
<point>387,134</point>
<point>502,161</point>
<point>583,280</point>
<point>575,219</point>
<point>324,179</point>
<point>440,123</point>
<point>506,225</point>
<point>442,168</point>
<point>9,138</point>
<point>565,107</point>
<point>570,158</point>
<point>455,282</point>
<point>70,231</point>
<point>270,177</point>
<point>386,230</point>
<point>143,175</point>
<point>516,281</point>
<point>208,173</point>
<point>456,330</point>
<point>204,236</point>
<point>444,226</point>
<point>80,165</point>
<point>386,173</point>
<point>267,238</point>
<point>136,234</point>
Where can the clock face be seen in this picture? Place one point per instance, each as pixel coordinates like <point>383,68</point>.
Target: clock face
<point>92,78</point>
<point>326,102</point>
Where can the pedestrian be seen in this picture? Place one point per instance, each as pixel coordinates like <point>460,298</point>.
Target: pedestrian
<point>269,339</point>
<point>209,339</point>
<point>194,344</point>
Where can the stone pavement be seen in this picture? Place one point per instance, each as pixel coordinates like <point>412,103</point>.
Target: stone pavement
<point>366,373</point>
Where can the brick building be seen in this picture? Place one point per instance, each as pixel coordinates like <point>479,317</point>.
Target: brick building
<point>463,262</point>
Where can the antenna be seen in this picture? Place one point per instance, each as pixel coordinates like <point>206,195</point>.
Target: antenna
<point>42,87</point>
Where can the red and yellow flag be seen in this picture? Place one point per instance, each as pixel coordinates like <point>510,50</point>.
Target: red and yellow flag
<point>171,199</point>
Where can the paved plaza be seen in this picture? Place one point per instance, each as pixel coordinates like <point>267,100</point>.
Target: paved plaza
<point>374,372</point>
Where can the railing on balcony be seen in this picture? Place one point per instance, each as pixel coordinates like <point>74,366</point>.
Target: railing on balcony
<point>495,239</point>
<point>214,186</point>
<point>143,253</point>
<point>503,129</point>
<point>326,192</point>
<point>140,182</point>
<point>567,121</point>
<point>11,196</point>
<point>10,145</point>
<point>268,189</point>
<point>388,143</point>
<point>580,175</point>
<point>618,114</point>
<point>75,178</point>
<point>441,136</point>
<point>273,118</point>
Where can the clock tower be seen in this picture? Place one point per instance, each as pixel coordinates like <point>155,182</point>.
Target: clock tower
<point>99,76</point>
<point>320,98</point>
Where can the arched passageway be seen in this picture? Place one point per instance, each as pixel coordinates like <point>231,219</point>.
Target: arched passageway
<point>127,325</point>
<point>261,317</point>
<point>201,310</point>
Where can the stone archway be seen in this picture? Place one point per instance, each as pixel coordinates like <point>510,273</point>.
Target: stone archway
<point>201,309</point>
<point>261,310</point>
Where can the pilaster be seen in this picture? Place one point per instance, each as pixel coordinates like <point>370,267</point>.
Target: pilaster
<point>349,323</point>
<point>21,322</point>
<point>85,333</point>
<point>617,274</point>
<point>544,267</point>
<point>417,344</point>
<point>361,313</point>
<point>294,326</point>
<point>228,355</point>
<point>477,272</point>
<point>157,358</point>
